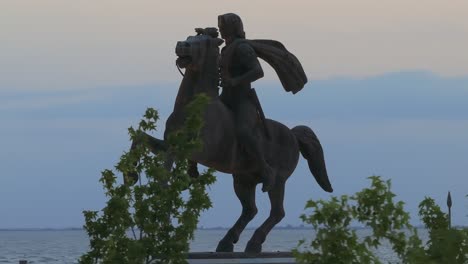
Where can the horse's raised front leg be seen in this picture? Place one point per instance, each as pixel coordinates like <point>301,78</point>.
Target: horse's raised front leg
<point>246,195</point>
<point>155,145</point>
<point>276,196</point>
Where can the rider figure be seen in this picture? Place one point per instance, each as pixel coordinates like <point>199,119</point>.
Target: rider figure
<point>239,67</point>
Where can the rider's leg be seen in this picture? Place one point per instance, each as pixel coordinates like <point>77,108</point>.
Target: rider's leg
<point>246,120</point>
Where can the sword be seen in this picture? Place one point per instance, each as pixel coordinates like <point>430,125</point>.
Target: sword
<point>253,95</point>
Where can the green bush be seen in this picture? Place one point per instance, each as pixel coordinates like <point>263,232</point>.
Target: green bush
<point>153,221</point>
<point>336,242</point>
<point>445,245</point>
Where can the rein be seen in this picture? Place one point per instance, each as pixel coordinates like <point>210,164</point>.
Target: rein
<point>181,73</point>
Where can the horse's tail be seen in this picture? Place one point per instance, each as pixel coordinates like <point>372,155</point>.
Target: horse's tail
<point>312,151</point>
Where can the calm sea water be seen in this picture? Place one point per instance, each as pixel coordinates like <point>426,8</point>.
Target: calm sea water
<point>66,246</point>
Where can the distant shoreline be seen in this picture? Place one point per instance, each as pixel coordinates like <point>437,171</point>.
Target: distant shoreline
<point>43,229</point>
<point>200,228</point>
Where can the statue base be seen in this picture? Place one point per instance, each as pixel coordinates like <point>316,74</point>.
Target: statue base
<point>240,257</point>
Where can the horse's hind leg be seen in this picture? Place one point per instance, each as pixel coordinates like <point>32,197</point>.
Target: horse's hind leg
<point>246,195</point>
<point>276,196</point>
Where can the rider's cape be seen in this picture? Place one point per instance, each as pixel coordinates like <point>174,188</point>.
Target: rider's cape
<point>286,65</point>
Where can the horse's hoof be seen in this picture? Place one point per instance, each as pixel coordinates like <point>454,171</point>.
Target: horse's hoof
<point>253,247</point>
<point>193,172</point>
<point>130,178</point>
<point>225,247</point>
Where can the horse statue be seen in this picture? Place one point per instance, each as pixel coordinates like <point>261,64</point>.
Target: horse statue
<point>221,151</point>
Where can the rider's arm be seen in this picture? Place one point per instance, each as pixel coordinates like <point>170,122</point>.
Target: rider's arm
<point>249,61</point>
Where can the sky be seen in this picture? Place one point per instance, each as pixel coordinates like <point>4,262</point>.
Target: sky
<point>387,96</point>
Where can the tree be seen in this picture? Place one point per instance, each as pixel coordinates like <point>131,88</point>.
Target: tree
<point>153,221</point>
<point>374,207</point>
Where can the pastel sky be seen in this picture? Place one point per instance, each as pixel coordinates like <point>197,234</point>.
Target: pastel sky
<point>53,44</point>
<point>387,96</point>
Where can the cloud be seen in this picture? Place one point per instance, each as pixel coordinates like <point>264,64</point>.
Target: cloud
<point>403,95</point>
<point>408,126</point>
<point>103,102</point>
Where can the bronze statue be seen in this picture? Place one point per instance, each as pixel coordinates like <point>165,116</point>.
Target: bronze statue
<point>237,139</point>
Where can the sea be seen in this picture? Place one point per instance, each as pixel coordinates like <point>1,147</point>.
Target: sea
<point>66,246</point>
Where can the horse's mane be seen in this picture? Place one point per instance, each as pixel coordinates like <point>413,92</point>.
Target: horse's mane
<point>209,81</point>
<point>209,31</point>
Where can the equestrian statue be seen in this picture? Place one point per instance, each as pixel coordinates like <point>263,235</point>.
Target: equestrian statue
<point>237,138</point>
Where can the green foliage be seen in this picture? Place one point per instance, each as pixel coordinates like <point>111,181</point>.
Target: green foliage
<point>154,221</point>
<point>374,208</point>
<point>445,245</point>
<point>336,242</point>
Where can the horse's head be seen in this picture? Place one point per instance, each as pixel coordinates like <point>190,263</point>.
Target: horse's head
<point>193,52</point>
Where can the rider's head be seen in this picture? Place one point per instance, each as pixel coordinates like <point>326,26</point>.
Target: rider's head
<point>230,26</point>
